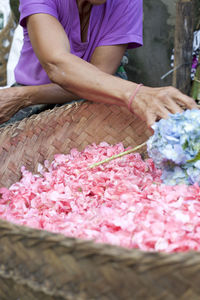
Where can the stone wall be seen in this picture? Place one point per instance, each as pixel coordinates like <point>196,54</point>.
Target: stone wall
<point>150,62</point>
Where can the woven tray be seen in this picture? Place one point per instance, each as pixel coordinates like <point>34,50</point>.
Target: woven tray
<point>6,37</point>
<point>33,140</point>
<point>44,266</point>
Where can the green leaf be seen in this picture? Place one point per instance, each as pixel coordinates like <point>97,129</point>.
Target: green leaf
<point>197,157</point>
<point>185,145</point>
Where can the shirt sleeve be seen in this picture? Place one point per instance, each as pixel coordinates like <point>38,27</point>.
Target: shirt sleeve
<point>124,24</point>
<point>31,7</point>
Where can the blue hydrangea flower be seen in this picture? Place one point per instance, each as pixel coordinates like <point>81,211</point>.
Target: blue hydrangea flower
<point>175,147</point>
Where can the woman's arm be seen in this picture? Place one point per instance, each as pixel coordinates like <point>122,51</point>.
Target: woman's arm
<point>83,79</point>
<point>106,58</point>
<point>70,72</point>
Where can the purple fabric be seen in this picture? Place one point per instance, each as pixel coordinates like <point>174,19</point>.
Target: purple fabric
<point>113,23</point>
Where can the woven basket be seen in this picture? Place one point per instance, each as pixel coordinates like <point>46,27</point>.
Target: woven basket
<point>38,265</point>
<point>6,37</point>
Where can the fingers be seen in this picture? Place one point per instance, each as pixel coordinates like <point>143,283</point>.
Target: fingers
<point>150,119</point>
<point>153,116</point>
<point>172,106</point>
<point>169,100</point>
<point>182,99</point>
<point>162,111</point>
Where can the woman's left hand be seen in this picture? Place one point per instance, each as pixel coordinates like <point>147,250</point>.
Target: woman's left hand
<point>152,104</point>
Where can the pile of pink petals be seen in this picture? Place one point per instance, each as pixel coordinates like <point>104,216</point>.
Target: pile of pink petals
<point>122,202</point>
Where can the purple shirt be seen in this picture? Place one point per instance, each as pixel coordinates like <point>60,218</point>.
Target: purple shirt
<point>112,23</point>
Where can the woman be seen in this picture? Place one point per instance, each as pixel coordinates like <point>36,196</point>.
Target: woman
<point>71,50</point>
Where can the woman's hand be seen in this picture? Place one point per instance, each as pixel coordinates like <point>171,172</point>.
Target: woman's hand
<point>152,104</point>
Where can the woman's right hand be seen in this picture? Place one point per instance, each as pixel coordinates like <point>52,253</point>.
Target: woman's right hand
<point>11,100</point>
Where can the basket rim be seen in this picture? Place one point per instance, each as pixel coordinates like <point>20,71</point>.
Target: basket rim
<point>120,254</point>
<point>20,124</point>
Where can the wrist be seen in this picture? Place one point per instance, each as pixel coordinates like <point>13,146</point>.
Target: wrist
<point>132,97</point>
<point>22,94</point>
<point>129,91</point>
<point>27,95</point>
<point>19,96</point>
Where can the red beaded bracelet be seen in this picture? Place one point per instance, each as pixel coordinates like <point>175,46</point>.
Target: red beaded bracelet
<point>133,96</point>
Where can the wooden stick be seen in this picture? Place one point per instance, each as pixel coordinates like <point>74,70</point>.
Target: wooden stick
<point>183,45</point>
<point>118,155</point>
